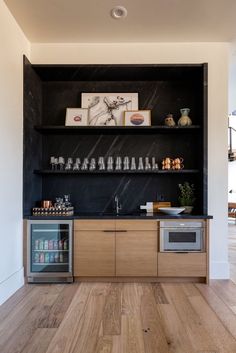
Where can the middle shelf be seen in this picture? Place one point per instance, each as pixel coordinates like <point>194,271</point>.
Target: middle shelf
<point>93,130</point>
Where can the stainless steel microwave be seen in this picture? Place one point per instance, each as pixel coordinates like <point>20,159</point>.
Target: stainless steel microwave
<point>181,236</point>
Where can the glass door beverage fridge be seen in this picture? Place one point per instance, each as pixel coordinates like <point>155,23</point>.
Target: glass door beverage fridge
<point>49,251</point>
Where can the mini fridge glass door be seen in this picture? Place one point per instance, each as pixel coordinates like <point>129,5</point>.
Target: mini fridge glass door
<point>50,247</point>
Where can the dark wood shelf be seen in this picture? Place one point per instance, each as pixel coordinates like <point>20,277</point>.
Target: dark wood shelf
<point>144,172</point>
<point>61,129</point>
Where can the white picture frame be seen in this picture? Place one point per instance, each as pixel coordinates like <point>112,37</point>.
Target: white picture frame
<point>76,117</point>
<point>137,118</point>
<point>107,109</point>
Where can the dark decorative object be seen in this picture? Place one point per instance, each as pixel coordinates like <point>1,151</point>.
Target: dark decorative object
<point>169,120</point>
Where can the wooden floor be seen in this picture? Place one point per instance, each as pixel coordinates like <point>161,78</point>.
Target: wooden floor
<point>120,318</point>
<point>123,317</point>
<point>232,250</point>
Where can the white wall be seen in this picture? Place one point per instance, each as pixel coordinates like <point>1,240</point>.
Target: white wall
<point>216,54</point>
<point>232,120</point>
<point>232,181</point>
<point>232,78</point>
<point>13,45</point>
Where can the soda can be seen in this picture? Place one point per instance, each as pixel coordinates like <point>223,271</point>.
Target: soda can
<point>46,257</point>
<point>60,245</point>
<point>50,245</point>
<point>36,244</point>
<point>36,257</point>
<point>55,244</point>
<point>41,244</point>
<point>41,257</point>
<point>56,257</point>
<point>51,258</point>
<point>66,245</point>
<point>45,245</point>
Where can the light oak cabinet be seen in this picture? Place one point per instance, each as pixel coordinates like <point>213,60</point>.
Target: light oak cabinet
<point>94,248</point>
<point>136,248</point>
<point>136,253</point>
<point>182,265</point>
<point>115,248</point>
<point>129,248</point>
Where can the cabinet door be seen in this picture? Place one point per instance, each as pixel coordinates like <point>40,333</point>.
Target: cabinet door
<point>136,253</point>
<point>94,250</point>
<point>182,265</point>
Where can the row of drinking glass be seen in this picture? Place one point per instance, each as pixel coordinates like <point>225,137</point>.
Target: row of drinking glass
<point>111,163</point>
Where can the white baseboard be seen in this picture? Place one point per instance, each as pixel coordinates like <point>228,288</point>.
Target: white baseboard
<point>10,285</point>
<point>219,270</point>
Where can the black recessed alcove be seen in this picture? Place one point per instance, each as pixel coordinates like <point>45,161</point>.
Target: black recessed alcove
<point>50,89</point>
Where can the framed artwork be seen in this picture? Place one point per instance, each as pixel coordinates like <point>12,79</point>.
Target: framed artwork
<point>107,109</point>
<point>76,117</point>
<point>137,118</point>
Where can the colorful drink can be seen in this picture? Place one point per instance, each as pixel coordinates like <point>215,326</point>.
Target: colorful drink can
<point>60,245</point>
<point>41,244</point>
<point>50,245</point>
<point>46,257</point>
<point>56,257</point>
<point>36,257</point>
<point>45,244</point>
<point>66,245</point>
<point>61,257</point>
<point>41,257</point>
<point>51,258</point>
<point>36,244</point>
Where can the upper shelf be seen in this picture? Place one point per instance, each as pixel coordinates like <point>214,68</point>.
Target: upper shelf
<point>61,129</point>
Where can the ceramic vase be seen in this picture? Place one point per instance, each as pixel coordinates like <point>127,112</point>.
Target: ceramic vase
<point>184,120</point>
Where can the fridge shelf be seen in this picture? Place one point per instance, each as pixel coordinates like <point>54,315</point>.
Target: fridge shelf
<point>50,263</point>
<point>50,230</point>
<point>50,250</point>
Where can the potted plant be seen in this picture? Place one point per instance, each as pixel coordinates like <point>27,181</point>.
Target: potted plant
<point>187,197</point>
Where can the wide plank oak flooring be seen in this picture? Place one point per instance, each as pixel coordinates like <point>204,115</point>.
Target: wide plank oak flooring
<point>120,318</point>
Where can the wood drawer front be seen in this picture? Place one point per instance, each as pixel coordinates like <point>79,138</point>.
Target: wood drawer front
<point>136,253</point>
<point>136,225</point>
<point>94,224</point>
<point>94,253</point>
<point>182,265</point>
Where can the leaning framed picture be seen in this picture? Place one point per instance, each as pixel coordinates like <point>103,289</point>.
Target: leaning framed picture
<point>107,109</point>
<point>76,117</point>
<point>137,118</point>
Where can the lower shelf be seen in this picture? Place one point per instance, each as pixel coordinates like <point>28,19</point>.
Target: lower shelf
<point>50,263</point>
<point>95,172</point>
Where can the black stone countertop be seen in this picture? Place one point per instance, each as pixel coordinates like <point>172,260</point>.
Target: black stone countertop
<point>120,216</point>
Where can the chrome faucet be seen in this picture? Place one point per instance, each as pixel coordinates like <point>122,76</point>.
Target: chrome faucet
<point>117,204</point>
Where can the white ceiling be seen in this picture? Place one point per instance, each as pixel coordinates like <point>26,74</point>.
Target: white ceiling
<point>72,21</point>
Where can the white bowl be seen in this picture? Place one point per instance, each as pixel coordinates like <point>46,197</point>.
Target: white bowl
<point>171,210</point>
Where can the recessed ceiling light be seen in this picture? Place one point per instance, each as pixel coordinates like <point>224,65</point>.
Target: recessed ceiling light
<point>119,12</point>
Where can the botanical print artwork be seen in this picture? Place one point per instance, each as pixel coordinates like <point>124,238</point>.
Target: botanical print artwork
<point>108,109</point>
